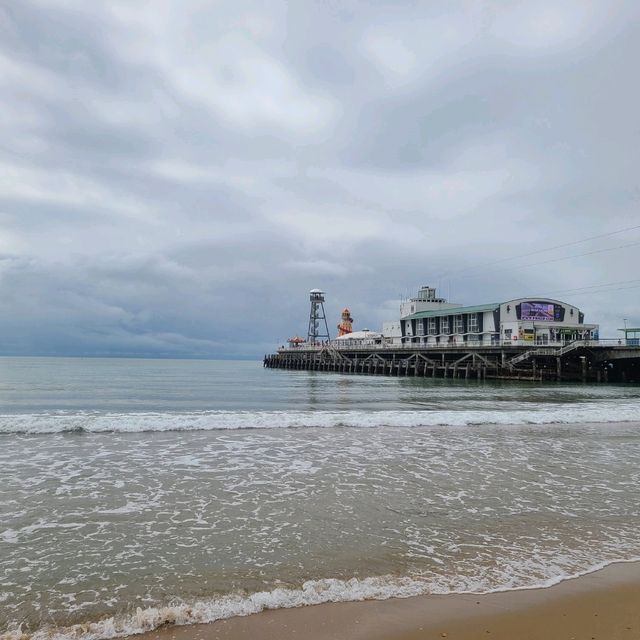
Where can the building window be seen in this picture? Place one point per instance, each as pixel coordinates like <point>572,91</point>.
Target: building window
<point>431,326</point>
<point>473,323</point>
<point>458,324</point>
<point>420,328</point>
<point>444,324</point>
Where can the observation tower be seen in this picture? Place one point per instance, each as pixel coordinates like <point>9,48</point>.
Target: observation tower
<point>318,328</point>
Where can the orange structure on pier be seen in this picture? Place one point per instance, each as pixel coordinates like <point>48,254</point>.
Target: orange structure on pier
<point>346,326</point>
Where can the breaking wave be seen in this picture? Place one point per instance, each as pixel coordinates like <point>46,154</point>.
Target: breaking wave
<point>136,422</point>
<point>312,592</point>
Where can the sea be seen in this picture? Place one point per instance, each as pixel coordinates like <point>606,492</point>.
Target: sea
<point>137,493</point>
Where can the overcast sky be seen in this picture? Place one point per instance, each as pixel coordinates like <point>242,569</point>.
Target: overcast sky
<point>176,175</point>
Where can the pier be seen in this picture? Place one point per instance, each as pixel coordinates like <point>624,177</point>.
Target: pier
<point>580,361</point>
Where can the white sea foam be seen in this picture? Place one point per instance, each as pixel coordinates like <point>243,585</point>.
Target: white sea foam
<point>63,422</point>
<point>312,592</point>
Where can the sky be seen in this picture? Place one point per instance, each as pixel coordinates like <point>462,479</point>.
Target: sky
<point>175,176</point>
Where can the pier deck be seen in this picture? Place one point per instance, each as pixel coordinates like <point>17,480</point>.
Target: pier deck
<point>586,361</point>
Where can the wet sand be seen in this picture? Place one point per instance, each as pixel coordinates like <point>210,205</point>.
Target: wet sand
<point>604,605</point>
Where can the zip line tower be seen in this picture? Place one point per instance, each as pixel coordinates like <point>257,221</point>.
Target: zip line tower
<point>318,328</point>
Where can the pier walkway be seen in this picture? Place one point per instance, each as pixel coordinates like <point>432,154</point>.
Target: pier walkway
<point>581,360</point>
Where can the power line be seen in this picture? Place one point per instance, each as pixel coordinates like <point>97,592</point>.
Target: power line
<point>594,286</point>
<point>576,255</point>
<point>531,253</point>
<point>637,286</point>
<point>593,289</point>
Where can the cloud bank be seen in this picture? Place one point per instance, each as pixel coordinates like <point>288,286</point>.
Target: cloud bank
<point>175,176</point>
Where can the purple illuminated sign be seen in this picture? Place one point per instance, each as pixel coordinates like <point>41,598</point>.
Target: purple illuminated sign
<point>537,311</point>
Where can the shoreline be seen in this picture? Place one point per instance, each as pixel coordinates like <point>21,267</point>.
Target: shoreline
<point>603,604</point>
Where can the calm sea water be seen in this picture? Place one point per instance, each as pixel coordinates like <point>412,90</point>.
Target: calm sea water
<point>136,492</point>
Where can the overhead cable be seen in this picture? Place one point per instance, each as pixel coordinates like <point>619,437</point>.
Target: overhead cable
<point>576,255</point>
<point>537,251</point>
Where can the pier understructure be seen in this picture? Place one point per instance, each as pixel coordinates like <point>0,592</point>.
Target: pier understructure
<point>580,360</point>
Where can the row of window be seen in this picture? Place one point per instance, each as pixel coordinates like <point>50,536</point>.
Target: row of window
<point>429,326</point>
<point>489,337</point>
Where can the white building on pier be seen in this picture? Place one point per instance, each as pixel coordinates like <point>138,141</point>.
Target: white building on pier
<point>431,321</point>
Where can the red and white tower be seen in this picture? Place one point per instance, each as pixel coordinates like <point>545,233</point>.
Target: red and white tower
<point>346,325</point>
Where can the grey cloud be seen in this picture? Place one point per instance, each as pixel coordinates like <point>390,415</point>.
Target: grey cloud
<point>174,179</point>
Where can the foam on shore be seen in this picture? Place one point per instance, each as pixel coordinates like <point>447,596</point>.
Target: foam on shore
<point>138,422</point>
<point>312,592</point>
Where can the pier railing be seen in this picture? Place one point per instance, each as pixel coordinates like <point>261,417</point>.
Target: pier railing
<point>559,348</point>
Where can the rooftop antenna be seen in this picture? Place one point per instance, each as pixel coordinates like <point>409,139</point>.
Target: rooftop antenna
<point>317,318</point>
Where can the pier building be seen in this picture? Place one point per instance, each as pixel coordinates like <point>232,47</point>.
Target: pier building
<point>359,338</point>
<point>432,321</point>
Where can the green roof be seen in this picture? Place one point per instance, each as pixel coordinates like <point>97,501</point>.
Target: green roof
<point>453,311</point>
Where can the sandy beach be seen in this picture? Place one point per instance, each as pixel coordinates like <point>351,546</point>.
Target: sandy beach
<point>604,605</point>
